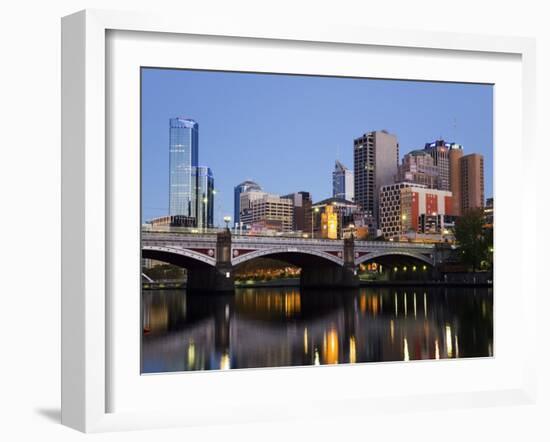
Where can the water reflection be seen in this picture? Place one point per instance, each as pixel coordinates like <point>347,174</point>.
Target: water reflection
<point>274,327</point>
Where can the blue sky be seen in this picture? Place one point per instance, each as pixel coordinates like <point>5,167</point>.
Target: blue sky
<point>286,131</point>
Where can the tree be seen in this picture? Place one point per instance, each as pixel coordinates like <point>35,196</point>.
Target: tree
<point>474,241</point>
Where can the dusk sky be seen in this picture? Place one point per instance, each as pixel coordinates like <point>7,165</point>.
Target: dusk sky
<point>285,131</point>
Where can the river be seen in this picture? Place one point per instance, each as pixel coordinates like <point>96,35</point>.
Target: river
<point>281,327</point>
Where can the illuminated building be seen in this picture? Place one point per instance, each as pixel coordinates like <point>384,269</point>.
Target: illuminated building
<point>345,213</point>
<point>329,223</point>
<point>406,207</point>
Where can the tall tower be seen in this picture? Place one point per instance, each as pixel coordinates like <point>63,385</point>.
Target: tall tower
<point>455,155</point>
<point>342,182</point>
<point>375,162</point>
<point>184,156</point>
<point>439,151</point>
<point>204,181</point>
<point>472,182</point>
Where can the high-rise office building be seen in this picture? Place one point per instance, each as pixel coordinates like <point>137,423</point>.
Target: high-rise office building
<point>301,202</point>
<point>440,152</point>
<point>455,154</point>
<point>204,181</point>
<point>342,182</point>
<point>472,179</point>
<point>262,210</point>
<point>245,186</point>
<point>184,156</point>
<point>418,167</point>
<point>375,162</point>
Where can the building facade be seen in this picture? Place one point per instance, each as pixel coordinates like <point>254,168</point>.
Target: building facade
<point>472,180</point>
<point>439,151</point>
<point>412,208</point>
<point>340,214</point>
<point>455,180</point>
<point>204,181</point>
<point>266,211</point>
<point>342,182</point>
<point>183,157</point>
<point>301,202</point>
<point>375,164</point>
<point>417,167</point>
<point>245,186</point>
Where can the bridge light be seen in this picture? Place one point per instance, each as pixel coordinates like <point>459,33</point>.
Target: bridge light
<point>414,268</point>
<point>424,267</point>
<point>395,269</point>
<point>227,220</point>
<point>405,268</point>
<point>227,274</point>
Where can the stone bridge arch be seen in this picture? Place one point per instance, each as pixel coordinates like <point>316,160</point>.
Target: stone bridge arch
<point>398,253</point>
<point>294,255</point>
<point>180,257</point>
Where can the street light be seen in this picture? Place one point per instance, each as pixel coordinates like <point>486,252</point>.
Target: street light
<point>315,210</point>
<point>227,220</point>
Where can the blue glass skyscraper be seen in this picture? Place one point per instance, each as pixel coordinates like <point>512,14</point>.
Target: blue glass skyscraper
<point>184,156</point>
<point>205,197</point>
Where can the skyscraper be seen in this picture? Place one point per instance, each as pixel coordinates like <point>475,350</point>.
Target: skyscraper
<point>418,167</point>
<point>439,151</point>
<point>472,182</point>
<point>455,155</point>
<point>342,182</point>
<point>205,197</point>
<point>245,186</point>
<point>375,161</point>
<point>184,155</point>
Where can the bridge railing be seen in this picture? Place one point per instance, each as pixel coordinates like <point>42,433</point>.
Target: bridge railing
<point>170,235</point>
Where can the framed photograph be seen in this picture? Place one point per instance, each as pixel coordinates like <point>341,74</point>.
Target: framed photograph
<point>265,220</point>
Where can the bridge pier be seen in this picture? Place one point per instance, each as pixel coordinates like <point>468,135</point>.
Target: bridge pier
<point>333,276</point>
<point>219,278</point>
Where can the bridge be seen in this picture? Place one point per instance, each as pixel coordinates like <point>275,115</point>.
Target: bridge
<point>212,259</point>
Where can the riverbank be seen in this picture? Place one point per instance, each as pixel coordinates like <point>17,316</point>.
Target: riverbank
<point>295,282</point>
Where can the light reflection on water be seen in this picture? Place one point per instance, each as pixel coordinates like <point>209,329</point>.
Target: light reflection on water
<point>278,327</point>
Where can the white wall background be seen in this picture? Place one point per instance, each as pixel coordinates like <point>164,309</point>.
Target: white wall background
<point>30,213</point>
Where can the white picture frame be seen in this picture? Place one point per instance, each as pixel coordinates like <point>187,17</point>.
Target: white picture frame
<point>87,353</point>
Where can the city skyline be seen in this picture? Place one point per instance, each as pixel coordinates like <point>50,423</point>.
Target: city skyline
<point>283,141</point>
